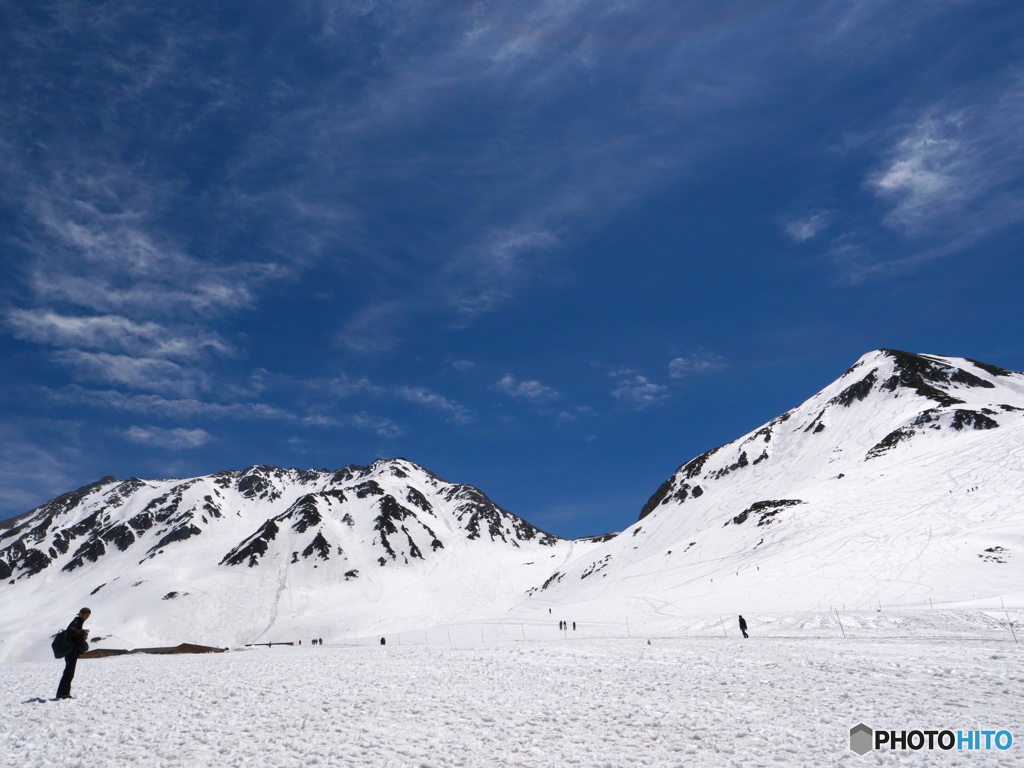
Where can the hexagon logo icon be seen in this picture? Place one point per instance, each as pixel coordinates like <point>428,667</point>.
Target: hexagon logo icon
<point>860,739</point>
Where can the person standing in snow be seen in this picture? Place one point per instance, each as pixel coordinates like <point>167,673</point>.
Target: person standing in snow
<point>743,627</point>
<point>79,644</point>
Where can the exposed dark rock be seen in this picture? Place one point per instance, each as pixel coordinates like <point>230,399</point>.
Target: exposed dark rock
<point>369,488</point>
<point>118,496</point>
<point>857,391</point>
<point>739,464</point>
<point>211,507</point>
<point>254,484</point>
<point>307,476</point>
<point>253,548</point>
<point>992,370</point>
<point>142,522</point>
<point>305,513</point>
<point>180,533</point>
<point>595,567</point>
<point>963,418</point>
<point>101,586</point>
<point>414,551</point>
<point>349,473</point>
<point>390,512</point>
<point>353,574</point>
<point>417,499</point>
<point>767,509</point>
<point>474,510</point>
<point>815,422</point>
<point>602,538</point>
<point>660,497</point>
<point>553,579</point>
<point>33,562</point>
<point>693,467</point>
<point>890,441</point>
<point>91,550</point>
<point>120,536</point>
<point>914,372</point>
<point>320,546</point>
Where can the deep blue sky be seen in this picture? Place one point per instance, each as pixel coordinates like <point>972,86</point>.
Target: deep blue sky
<point>551,249</point>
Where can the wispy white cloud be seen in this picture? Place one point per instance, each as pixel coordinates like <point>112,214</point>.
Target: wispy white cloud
<point>948,179</point>
<point>173,439</point>
<point>807,227</point>
<point>143,373</point>
<point>171,408</point>
<point>708,362</point>
<point>422,396</point>
<point>925,174</point>
<point>380,425</point>
<point>639,392</point>
<point>112,333</point>
<point>531,391</point>
<point>34,466</point>
<point>463,365</point>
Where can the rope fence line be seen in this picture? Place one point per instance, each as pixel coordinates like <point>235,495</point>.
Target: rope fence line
<point>972,626</point>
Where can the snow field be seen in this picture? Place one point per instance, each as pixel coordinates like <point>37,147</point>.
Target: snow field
<point>698,701</point>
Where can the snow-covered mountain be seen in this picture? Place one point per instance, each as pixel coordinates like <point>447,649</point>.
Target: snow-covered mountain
<point>267,554</point>
<point>900,482</point>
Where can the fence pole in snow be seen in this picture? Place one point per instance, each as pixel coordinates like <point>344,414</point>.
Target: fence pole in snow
<point>523,630</point>
<point>840,624</point>
<point>931,603</point>
<point>1008,620</point>
<point>724,634</point>
<point>628,633</point>
<point>449,637</point>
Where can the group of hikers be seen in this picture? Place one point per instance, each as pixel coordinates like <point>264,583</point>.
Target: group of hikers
<point>565,625</point>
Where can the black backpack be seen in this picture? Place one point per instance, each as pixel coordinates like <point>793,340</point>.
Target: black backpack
<point>62,644</point>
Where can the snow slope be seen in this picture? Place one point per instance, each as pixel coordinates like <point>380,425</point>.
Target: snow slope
<point>265,555</point>
<point>902,483</point>
<point>615,704</point>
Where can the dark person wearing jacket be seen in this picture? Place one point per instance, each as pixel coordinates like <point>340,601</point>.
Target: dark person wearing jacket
<point>80,642</point>
<point>743,627</point>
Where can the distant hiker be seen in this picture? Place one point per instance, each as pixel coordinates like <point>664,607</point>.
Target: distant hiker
<point>574,626</point>
<point>80,644</point>
<point>743,627</point>
<point>549,610</point>
<point>383,641</point>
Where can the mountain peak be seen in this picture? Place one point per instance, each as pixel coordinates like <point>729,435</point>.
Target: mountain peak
<point>888,399</point>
